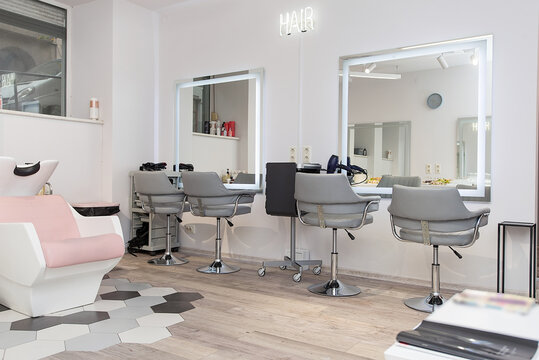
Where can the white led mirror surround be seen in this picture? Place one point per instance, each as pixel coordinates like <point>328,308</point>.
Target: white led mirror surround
<point>255,141</point>
<point>482,46</point>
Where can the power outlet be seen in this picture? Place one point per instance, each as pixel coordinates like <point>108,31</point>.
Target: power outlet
<point>428,169</point>
<point>306,154</point>
<point>293,154</point>
<point>189,228</point>
<point>438,169</point>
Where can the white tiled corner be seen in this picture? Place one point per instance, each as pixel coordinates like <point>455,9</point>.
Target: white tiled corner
<point>105,305</point>
<point>11,316</point>
<point>68,311</point>
<point>34,350</point>
<point>144,335</point>
<point>160,319</point>
<point>63,332</point>
<point>104,289</point>
<point>157,291</point>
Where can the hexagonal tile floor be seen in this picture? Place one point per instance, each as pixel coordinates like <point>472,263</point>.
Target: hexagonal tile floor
<point>123,312</point>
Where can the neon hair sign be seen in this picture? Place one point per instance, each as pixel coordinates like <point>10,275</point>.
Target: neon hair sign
<point>296,21</point>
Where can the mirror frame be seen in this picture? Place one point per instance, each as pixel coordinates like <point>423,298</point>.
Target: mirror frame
<point>255,74</point>
<point>484,47</point>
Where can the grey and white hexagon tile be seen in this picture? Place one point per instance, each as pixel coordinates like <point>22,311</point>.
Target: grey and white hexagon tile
<point>124,312</point>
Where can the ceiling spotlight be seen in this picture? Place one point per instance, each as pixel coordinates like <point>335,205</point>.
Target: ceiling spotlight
<point>370,68</point>
<point>474,59</point>
<point>442,61</point>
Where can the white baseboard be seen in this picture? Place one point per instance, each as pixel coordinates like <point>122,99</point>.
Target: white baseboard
<point>254,260</point>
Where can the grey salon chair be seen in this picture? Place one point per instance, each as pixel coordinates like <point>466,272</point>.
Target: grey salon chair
<point>387,181</point>
<point>243,178</point>
<point>390,180</point>
<point>208,197</point>
<point>328,201</point>
<point>434,217</point>
<point>159,196</point>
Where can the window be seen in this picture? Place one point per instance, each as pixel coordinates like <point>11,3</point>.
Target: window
<point>32,57</point>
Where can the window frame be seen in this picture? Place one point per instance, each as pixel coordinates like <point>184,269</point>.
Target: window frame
<point>66,68</point>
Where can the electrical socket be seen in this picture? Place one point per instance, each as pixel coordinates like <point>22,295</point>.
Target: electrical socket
<point>428,169</point>
<point>307,154</point>
<point>189,228</point>
<point>293,154</point>
<point>438,168</point>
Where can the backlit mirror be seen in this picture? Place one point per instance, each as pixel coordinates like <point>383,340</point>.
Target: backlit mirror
<point>218,122</point>
<point>407,113</point>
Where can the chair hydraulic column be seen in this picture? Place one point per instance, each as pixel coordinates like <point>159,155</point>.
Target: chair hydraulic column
<point>218,266</point>
<point>334,287</point>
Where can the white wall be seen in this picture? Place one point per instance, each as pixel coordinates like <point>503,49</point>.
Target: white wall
<point>134,85</point>
<point>208,151</point>
<point>77,146</point>
<point>301,78</point>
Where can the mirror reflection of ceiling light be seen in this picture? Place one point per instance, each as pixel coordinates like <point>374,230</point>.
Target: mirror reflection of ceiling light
<point>442,61</point>
<point>361,74</point>
<point>370,68</point>
<point>487,126</point>
<point>474,59</point>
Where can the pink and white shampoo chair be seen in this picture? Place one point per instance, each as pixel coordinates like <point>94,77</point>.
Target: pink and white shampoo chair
<point>51,257</point>
<point>24,180</point>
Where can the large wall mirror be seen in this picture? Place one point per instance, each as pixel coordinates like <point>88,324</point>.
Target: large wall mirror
<point>421,111</point>
<point>218,126</point>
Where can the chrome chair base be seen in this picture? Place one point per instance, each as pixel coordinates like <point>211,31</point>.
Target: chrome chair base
<point>168,260</point>
<point>218,267</point>
<point>334,288</point>
<point>426,304</point>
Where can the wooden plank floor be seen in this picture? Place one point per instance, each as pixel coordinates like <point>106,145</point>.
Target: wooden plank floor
<point>243,316</point>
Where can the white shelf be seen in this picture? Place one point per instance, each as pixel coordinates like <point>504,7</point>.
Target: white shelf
<point>50,117</point>
<point>361,156</point>
<point>217,136</point>
<point>386,159</point>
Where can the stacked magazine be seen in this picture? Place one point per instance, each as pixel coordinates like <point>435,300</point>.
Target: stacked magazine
<point>475,344</point>
<point>468,343</point>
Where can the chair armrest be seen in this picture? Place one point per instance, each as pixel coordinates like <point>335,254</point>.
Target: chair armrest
<point>371,198</point>
<point>475,213</point>
<point>244,196</point>
<point>97,225</point>
<point>21,258</point>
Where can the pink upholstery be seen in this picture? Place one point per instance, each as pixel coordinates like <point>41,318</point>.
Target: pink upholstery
<point>81,250</point>
<point>58,232</point>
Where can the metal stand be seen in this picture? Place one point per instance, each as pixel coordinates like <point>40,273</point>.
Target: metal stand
<point>218,266</point>
<point>334,287</point>
<point>290,262</point>
<point>168,259</point>
<point>501,255</point>
<point>429,303</point>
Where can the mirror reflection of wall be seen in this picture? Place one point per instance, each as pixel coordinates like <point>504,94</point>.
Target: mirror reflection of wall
<point>396,86</point>
<point>218,121</point>
<point>381,148</point>
<point>467,150</point>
